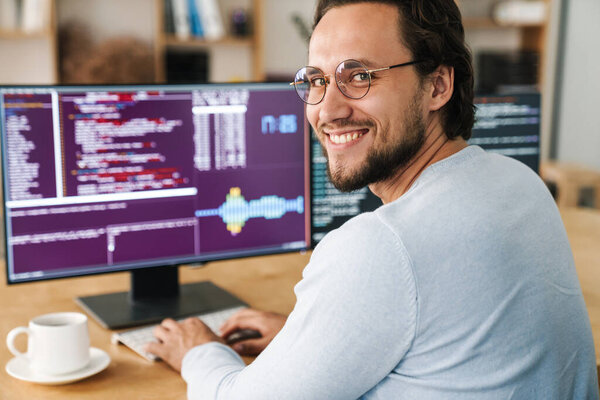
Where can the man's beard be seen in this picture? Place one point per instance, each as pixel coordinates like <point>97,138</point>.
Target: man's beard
<point>382,164</point>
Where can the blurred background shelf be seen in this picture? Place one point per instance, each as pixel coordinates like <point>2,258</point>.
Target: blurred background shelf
<point>17,35</point>
<point>147,26</point>
<point>86,39</point>
<point>490,23</point>
<point>173,41</point>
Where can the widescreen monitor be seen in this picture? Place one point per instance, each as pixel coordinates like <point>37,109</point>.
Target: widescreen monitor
<point>134,178</point>
<point>509,125</point>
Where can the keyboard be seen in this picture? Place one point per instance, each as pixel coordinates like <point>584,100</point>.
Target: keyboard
<point>137,338</point>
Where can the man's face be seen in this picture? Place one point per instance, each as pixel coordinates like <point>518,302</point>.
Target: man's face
<point>383,130</point>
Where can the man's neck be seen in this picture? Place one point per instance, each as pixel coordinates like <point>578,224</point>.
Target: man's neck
<point>437,147</point>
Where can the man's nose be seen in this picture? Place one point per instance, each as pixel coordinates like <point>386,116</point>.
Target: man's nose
<point>335,105</point>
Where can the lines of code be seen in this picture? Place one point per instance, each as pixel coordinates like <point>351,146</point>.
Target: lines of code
<point>117,139</point>
<point>26,117</point>
<point>201,134</point>
<point>509,125</point>
<point>228,109</point>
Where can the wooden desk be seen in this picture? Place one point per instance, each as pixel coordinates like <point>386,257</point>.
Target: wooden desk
<point>569,179</point>
<point>264,282</point>
<point>583,228</point>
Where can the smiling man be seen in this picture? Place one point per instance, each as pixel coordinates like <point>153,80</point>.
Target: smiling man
<point>462,286</point>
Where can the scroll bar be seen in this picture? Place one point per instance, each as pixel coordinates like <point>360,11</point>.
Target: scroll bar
<point>57,144</point>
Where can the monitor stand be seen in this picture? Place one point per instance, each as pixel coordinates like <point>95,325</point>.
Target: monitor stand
<point>155,295</point>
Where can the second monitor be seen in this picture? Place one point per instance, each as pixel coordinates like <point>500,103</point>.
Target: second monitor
<point>508,125</point>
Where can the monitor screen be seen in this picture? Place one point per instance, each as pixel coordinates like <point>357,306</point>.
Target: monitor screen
<point>102,179</point>
<point>508,125</point>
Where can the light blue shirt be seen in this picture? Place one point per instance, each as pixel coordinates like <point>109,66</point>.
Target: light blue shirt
<point>463,288</point>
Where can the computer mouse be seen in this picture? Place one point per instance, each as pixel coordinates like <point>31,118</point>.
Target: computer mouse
<point>242,334</point>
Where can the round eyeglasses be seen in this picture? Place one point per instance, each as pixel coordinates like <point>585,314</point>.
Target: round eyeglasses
<point>352,77</point>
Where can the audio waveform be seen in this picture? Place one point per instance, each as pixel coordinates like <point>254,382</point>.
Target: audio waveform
<point>236,210</point>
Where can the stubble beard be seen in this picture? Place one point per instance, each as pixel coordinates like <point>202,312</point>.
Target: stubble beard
<point>382,163</point>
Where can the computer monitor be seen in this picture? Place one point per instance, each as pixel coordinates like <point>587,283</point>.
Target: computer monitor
<point>509,125</point>
<point>101,179</point>
<point>505,124</point>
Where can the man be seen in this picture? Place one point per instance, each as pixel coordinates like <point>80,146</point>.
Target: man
<point>461,286</point>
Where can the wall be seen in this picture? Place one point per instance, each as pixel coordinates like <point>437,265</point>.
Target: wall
<point>33,61</point>
<point>285,50</point>
<point>579,119</point>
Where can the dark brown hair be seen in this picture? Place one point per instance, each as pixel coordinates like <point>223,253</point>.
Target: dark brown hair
<point>433,32</point>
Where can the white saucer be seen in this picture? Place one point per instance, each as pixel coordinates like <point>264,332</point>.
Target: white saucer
<point>19,368</point>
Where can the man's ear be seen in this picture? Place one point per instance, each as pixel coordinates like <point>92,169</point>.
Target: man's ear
<point>442,80</point>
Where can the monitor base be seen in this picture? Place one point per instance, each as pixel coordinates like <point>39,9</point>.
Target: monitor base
<point>118,310</point>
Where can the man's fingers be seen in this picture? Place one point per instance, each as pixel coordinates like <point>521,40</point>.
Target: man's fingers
<point>239,321</point>
<point>170,324</point>
<point>160,332</point>
<point>154,348</point>
<point>235,318</point>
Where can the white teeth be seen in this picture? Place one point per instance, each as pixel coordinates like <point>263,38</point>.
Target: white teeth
<point>347,138</point>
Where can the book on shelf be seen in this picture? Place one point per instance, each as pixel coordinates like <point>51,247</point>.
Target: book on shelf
<point>212,21</point>
<point>181,19</point>
<point>194,18</point>
<point>169,21</point>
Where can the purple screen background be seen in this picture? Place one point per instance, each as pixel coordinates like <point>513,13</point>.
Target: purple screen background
<point>40,120</point>
<point>176,146</point>
<point>276,165</point>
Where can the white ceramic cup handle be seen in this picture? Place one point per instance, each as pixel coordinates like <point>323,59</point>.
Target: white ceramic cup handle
<point>10,340</point>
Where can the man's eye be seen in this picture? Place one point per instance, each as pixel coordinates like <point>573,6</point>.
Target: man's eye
<point>317,82</point>
<point>359,77</point>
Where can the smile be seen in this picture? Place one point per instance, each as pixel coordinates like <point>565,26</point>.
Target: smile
<point>344,138</point>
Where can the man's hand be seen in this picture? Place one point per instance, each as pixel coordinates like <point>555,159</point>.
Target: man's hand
<point>267,323</point>
<point>176,339</point>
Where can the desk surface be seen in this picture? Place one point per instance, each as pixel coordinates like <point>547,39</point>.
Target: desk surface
<point>264,282</point>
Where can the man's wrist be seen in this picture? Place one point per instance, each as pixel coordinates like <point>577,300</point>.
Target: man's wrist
<point>200,353</point>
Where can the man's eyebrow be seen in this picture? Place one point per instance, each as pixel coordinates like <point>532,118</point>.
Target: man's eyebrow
<point>367,62</point>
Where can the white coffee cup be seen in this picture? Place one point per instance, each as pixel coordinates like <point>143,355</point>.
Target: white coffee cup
<point>58,343</point>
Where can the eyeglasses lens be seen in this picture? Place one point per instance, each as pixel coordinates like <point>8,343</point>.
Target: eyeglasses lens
<point>310,85</point>
<point>353,79</point>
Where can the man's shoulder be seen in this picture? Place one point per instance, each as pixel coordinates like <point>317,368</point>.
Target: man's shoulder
<point>361,236</point>
<point>473,160</point>
<point>363,246</point>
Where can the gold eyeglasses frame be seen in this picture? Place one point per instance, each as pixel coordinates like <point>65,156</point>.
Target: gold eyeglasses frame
<point>327,78</point>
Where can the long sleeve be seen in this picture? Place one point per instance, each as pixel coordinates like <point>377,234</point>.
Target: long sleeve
<point>354,320</point>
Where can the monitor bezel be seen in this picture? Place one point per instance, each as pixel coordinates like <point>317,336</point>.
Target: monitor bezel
<point>169,261</point>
